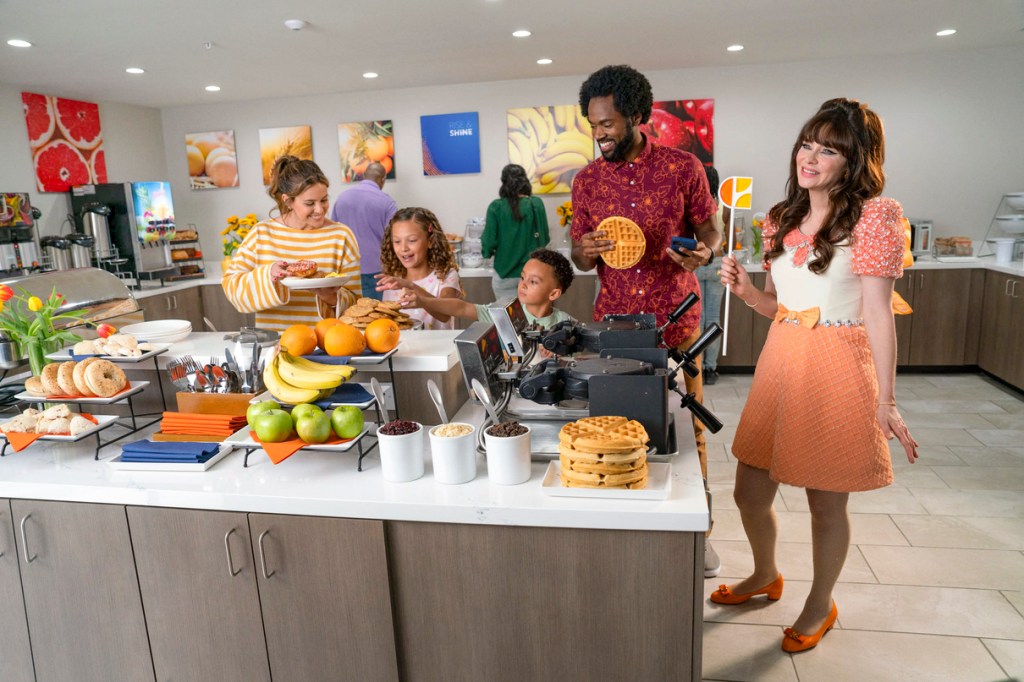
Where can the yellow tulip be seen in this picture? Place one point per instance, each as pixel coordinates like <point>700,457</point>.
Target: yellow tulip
<point>35,304</point>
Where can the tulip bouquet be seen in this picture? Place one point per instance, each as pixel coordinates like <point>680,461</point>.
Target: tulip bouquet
<point>28,320</point>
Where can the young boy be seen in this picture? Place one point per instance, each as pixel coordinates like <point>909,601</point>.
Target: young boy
<point>546,276</point>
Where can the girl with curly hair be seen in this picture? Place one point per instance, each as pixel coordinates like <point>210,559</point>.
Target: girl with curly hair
<point>414,250</point>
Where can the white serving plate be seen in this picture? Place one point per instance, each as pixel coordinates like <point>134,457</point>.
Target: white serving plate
<point>144,331</point>
<point>104,420</point>
<point>116,463</point>
<point>136,387</point>
<point>242,439</point>
<point>659,484</point>
<point>299,283</point>
<point>65,355</point>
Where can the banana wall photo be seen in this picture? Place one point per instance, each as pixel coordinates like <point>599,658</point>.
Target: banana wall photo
<point>552,143</point>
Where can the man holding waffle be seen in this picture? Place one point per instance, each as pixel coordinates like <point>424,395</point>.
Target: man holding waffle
<point>664,192</point>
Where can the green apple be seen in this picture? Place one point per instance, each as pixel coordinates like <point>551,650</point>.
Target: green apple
<point>347,421</point>
<point>273,426</point>
<point>259,408</point>
<point>302,410</point>
<point>313,427</point>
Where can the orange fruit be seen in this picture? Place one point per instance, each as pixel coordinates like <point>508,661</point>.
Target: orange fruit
<point>299,339</point>
<point>391,145</point>
<point>321,330</point>
<point>382,335</point>
<point>376,148</point>
<point>387,163</point>
<point>344,339</point>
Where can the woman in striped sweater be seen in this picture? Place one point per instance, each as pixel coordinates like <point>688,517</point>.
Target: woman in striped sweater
<point>302,232</point>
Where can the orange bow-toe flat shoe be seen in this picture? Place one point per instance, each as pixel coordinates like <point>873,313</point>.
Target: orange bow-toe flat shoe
<point>723,595</point>
<point>793,641</point>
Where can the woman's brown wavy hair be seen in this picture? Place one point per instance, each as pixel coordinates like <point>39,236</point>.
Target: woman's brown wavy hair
<point>440,256</point>
<point>854,131</point>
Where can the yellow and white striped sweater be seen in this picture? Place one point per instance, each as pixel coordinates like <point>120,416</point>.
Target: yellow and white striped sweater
<point>247,281</point>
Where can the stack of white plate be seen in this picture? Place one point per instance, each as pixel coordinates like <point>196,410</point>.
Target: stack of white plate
<point>159,331</point>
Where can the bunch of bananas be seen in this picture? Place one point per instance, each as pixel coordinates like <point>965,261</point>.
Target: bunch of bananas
<point>295,380</point>
<point>551,143</point>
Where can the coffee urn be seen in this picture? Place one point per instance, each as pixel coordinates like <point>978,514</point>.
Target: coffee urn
<point>57,252</point>
<point>96,223</point>
<point>81,249</point>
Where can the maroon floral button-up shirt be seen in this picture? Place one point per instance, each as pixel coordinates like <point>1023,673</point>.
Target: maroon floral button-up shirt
<point>665,192</point>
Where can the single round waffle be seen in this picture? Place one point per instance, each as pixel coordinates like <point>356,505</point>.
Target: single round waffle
<point>632,480</point>
<point>603,435</point>
<point>571,463</point>
<point>614,458</point>
<point>629,239</point>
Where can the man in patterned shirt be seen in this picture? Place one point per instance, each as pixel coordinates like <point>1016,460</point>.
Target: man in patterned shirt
<point>665,192</point>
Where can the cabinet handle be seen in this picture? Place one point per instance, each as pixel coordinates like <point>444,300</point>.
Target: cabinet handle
<point>1006,289</point>
<point>227,550</point>
<point>263,555</point>
<point>1013,290</point>
<point>175,299</point>
<point>167,302</point>
<point>24,541</point>
<point>920,281</point>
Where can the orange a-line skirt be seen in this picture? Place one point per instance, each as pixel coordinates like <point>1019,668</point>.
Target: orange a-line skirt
<point>810,415</point>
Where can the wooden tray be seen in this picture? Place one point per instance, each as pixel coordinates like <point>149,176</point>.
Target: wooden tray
<point>234,404</point>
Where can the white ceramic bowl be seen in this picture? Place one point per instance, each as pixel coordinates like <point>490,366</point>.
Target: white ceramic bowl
<point>159,331</point>
<point>1016,201</point>
<point>1011,224</point>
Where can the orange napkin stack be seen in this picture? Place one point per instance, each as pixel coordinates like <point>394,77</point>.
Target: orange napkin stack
<point>191,423</point>
<point>20,441</point>
<point>278,452</point>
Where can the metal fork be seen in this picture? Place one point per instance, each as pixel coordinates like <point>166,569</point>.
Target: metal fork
<point>179,376</point>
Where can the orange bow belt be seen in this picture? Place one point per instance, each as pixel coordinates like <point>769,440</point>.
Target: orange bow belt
<point>805,318</point>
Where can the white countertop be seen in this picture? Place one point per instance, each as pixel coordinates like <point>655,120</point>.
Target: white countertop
<point>927,263</point>
<point>327,484</point>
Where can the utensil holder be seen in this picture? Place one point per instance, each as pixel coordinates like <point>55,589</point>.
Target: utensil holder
<point>234,404</point>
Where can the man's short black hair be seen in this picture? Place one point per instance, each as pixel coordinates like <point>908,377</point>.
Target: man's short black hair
<point>630,91</point>
<point>559,263</point>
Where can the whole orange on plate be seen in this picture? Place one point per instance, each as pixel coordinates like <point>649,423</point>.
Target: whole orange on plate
<point>382,335</point>
<point>344,339</point>
<point>299,339</point>
<point>321,330</point>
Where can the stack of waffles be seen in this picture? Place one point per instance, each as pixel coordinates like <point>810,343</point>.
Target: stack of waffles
<point>603,452</point>
<point>366,310</point>
<point>629,239</point>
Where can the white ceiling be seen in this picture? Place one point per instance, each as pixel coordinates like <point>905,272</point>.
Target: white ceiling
<point>82,47</point>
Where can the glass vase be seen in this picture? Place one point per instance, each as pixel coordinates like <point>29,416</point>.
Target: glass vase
<point>35,350</point>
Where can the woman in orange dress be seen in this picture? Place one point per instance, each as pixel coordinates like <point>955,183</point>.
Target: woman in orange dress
<point>822,404</point>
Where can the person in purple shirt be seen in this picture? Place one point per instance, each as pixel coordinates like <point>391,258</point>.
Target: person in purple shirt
<point>367,210</point>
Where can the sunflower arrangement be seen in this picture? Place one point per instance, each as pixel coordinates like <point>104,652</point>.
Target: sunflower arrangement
<point>236,231</point>
<point>564,214</point>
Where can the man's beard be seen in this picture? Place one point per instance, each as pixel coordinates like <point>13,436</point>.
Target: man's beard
<point>618,152</point>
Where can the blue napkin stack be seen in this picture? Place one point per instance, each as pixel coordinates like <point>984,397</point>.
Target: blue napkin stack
<point>150,451</point>
<point>348,394</point>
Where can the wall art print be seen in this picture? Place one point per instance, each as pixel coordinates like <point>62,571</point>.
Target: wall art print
<point>212,162</point>
<point>66,142</point>
<point>451,143</point>
<point>363,143</point>
<point>551,143</point>
<point>15,210</point>
<point>686,124</point>
<point>277,142</point>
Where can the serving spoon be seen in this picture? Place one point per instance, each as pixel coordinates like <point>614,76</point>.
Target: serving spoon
<point>484,396</point>
<point>435,395</point>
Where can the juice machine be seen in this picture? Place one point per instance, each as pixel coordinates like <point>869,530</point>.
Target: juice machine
<point>618,366</point>
<point>140,220</point>
<point>19,245</point>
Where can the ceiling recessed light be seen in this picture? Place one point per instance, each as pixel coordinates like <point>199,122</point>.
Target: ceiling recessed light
<point>946,32</point>
<point>370,74</point>
<point>19,43</point>
<point>134,70</point>
<point>213,88</point>
<point>544,62</point>
<point>295,24</point>
<point>734,48</point>
<point>523,33</point>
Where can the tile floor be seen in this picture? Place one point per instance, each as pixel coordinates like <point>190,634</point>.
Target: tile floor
<point>933,588</point>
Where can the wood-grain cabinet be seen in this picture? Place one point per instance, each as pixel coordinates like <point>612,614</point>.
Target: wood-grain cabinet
<point>235,596</point>
<point>15,652</point>
<point>81,592</point>
<point>1001,341</point>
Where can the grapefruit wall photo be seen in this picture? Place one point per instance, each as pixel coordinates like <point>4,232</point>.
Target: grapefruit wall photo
<point>66,142</point>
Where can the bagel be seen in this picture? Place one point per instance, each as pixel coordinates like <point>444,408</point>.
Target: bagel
<point>84,348</point>
<point>49,379</point>
<point>34,385</point>
<point>79,377</point>
<point>104,378</point>
<point>66,378</point>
